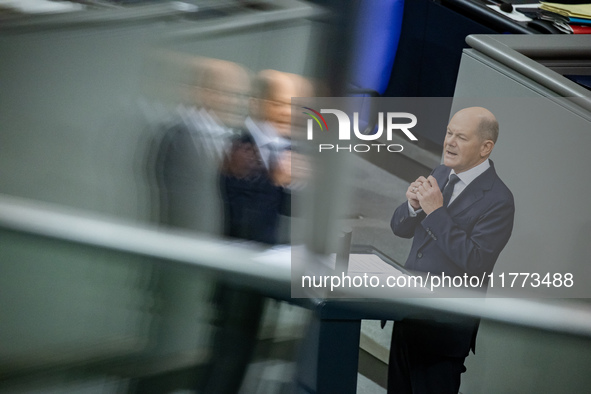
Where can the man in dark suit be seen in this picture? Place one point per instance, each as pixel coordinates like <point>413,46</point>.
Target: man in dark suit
<point>253,182</point>
<point>461,218</point>
<point>256,175</point>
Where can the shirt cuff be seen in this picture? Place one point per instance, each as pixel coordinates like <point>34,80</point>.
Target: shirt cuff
<point>412,212</point>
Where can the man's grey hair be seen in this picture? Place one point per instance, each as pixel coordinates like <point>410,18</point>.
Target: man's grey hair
<point>489,129</point>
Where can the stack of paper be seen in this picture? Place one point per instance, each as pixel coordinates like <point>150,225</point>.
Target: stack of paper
<point>577,17</point>
<point>569,10</point>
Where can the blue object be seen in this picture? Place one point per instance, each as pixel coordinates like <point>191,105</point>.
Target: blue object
<point>580,21</point>
<point>378,30</point>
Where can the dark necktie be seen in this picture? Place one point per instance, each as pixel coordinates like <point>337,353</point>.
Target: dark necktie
<point>449,189</point>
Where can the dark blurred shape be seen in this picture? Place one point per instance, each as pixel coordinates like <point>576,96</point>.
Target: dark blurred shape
<point>252,201</point>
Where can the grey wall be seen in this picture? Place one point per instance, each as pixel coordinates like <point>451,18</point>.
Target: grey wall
<point>542,156</point>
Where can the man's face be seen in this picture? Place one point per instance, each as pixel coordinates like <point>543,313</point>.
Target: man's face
<point>276,109</point>
<point>227,96</point>
<point>463,148</point>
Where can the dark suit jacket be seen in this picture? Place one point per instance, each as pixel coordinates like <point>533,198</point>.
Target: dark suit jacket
<point>464,238</point>
<point>252,203</point>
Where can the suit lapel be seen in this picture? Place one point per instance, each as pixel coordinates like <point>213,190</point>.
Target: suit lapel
<point>442,178</point>
<point>470,195</point>
<point>474,191</point>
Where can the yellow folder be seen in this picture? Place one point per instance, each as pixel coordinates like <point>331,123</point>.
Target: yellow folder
<point>569,10</point>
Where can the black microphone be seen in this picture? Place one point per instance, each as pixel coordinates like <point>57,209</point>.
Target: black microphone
<point>505,7</point>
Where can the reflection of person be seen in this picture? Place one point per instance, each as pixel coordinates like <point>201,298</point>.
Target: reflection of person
<point>255,174</point>
<point>253,183</point>
<point>271,105</point>
<point>192,148</point>
<point>252,201</point>
<point>456,235</point>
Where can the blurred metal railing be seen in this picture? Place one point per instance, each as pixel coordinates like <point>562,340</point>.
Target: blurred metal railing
<point>240,262</point>
<point>199,252</point>
<point>42,227</point>
<point>214,16</point>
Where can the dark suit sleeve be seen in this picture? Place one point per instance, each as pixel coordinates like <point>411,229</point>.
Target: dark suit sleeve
<point>402,223</point>
<point>285,206</point>
<point>474,250</point>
